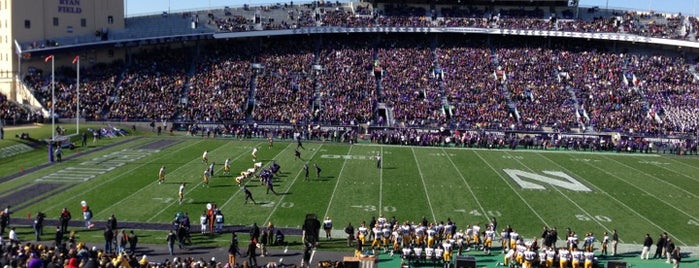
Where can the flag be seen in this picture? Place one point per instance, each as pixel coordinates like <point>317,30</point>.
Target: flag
<point>626,80</point>
<point>76,59</point>
<point>48,58</point>
<point>635,80</point>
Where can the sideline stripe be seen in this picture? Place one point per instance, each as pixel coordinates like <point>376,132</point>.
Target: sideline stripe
<point>339,175</point>
<point>468,186</point>
<point>424,185</point>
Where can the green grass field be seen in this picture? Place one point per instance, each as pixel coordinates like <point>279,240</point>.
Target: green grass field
<point>587,192</point>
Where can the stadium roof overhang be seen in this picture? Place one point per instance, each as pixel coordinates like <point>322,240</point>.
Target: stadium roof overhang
<point>630,38</point>
<point>518,3</point>
<point>109,44</point>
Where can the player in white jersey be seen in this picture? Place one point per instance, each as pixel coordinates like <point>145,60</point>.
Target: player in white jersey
<point>431,232</point>
<point>542,258</point>
<point>161,175</point>
<point>572,241</point>
<point>405,230</point>
<point>577,256</point>
<point>180,193</point>
<point>488,243</point>
<point>227,167</point>
<point>446,256</point>
<point>385,236</point>
<point>205,157</point>
<point>589,259</point>
<point>529,257</point>
<point>397,239</point>
<point>514,236</point>
<point>327,227</point>
<point>254,154</point>
<point>605,243</point>
<point>376,243</point>
<point>459,238</point>
<point>563,257</point>
<point>381,220</point>
<point>206,178</point>
<point>363,232</point>
<point>468,236</point>
<point>203,221</point>
<point>448,230</point>
<point>420,235</point>
<point>476,235</point>
<point>590,242</point>
<point>550,257</point>
<point>504,240</point>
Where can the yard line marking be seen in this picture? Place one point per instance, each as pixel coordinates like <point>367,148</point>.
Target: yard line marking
<point>289,187</point>
<point>485,214</point>
<point>519,150</point>
<point>313,253</point>
<point>680,162</point>
<point>198,179</point>
<point>248,181</point>
<point>383,160</point>
<point>566,197</point>
<point>424,185</point>
<point>612,197</point>
<point>681,174</point>
<point>339,175</point>
<point>655,178</point>
<point>511,187</point>
<point>97,185</point>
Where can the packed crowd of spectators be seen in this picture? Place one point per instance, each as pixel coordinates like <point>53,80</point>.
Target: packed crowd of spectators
<point>12,113</point>
<point>151,85</point>
<point>341,81</point>
<point>650,24</point>
<point>218,88</point>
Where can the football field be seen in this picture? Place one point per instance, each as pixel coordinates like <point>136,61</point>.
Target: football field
<point>586,192</point>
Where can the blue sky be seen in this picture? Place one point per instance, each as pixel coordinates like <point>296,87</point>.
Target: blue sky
<point>140,7</point>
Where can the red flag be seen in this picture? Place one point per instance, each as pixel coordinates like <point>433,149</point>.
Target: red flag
<point>48,58</point>
<point>76,59</point>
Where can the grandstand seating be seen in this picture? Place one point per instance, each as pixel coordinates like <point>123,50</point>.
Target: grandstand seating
<point>561,86</point>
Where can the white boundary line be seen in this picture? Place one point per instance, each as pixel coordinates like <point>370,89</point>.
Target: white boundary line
<point>612,197</point>
<point>678,173</point>
<point>648,193</point>
<point>681,163</point>
<point>339,175</point>
<point>468,186</point>
<point>289,187</point>
<point>383,160</point>
<point>654,177</point>
<point>518,150</point>
<point>424,185</point>
<point>566,196</point>
<point>513,189</point>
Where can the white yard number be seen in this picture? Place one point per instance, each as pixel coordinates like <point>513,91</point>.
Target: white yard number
<point>491,213</point>
<point>693,222</point>
<point>282,204</point>
<point>567,182</point>
<point>373,208</point>
<point>600,218</point>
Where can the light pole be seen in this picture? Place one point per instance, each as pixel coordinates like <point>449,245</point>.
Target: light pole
<point>76,60</point>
